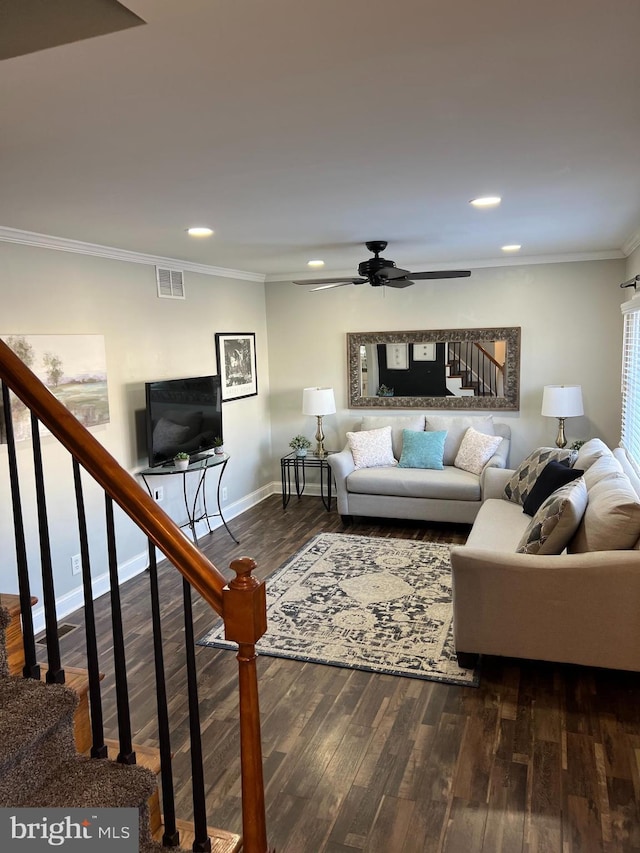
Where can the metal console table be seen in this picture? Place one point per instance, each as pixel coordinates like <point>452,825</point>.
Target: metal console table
<point>199,467</point>
<point>299,465</point>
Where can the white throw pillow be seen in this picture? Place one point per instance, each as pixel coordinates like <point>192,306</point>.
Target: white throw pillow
<point>476,450</point>
<point>456,426</point>
<point>371,448</point>
<point>398,424</point>
<point>553,525</point>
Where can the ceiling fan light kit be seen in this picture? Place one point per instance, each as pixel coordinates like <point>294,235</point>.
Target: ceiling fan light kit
<point>380,272</point>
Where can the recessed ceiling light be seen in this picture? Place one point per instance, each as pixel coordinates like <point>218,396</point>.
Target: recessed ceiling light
<point>315,263</point>
<point>512,247</point>
<point>486,201</point>
<point>199,231</point>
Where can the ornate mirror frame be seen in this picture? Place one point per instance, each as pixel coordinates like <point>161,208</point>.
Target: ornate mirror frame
<point>509,400</point>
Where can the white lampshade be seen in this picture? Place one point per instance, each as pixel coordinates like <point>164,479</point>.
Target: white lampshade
<point>562,401</point>
<point>318,401</point>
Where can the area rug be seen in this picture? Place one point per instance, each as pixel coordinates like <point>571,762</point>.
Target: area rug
<point>380,605</point>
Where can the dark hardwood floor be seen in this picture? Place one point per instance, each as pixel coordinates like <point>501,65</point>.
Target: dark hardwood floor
<point>540,757</point>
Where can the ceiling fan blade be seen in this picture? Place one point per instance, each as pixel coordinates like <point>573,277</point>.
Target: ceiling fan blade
<point>330,286</point>
<point>399,282</point>
<point>342,280</point>
<point>392,272</point>
<point>440,274</point>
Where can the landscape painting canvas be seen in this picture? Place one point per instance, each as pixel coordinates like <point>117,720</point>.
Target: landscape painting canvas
<point>74,369</point>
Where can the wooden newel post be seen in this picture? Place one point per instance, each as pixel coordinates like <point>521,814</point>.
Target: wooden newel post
<point>244,610</point>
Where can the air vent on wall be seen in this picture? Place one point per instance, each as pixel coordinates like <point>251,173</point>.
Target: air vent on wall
<point>170,283</point>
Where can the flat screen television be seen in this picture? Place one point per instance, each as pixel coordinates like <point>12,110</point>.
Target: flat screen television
<point>182,415</point>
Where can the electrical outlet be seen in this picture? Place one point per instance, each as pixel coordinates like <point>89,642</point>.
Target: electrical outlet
<point>224,493</point>
<point>76,564</point>
<point>158,494</point>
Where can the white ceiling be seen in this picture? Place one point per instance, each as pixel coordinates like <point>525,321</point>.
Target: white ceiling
<point>300,129</point>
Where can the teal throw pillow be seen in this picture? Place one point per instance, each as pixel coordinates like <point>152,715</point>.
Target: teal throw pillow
<point>422,449</point>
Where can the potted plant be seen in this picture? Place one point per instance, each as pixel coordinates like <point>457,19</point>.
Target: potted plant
<point>300,444</point>
<point>218,446</point>
<point>383,391</point>
<point>181,461</point>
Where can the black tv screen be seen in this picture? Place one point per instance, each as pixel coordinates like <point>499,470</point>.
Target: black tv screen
<point>182,415</point>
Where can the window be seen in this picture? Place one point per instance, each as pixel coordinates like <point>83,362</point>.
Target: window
<point>630,428</point>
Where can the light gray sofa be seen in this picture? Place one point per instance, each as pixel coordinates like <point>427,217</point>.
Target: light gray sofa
<point>451,494</point>
<point>580,608</point>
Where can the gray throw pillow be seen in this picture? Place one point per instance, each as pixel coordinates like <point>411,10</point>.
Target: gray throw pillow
<point>554,524</point>
<point>524,477</point>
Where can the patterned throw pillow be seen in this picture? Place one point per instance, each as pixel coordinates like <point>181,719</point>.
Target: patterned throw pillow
<point>529,470</point>
<point>553,525</point>
<point>422,449</point>
<point>476,450</point>
<point>371,448</point>
<point>456,427</point>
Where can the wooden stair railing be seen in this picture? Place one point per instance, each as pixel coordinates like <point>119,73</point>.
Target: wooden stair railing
<point>241,603</point>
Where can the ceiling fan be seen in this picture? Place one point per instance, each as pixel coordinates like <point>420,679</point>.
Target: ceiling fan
<point>379,271</point>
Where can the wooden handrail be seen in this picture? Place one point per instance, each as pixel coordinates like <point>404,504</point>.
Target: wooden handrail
<point>489,356</point>
<point>201,574</point>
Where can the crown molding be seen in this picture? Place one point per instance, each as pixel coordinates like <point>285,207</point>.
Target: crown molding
<point>631,243</point>
<point>513,261</point>
<point>62,244</point>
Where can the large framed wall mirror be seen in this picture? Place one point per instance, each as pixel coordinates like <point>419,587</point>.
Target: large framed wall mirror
<point>435,369</point>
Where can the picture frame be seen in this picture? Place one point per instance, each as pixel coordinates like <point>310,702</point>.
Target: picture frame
<point>237,364</point>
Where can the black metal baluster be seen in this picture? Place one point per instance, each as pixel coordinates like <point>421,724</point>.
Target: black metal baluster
<point>98,746</point>
<point>202,842</point>
<point>126,754</point>
<point>170,836</point>
<point>31,668</point>
<point>55,673</point>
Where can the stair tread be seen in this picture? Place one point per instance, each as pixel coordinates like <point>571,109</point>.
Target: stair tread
<point>75,678</point>
<point>81,782</point>
<point>146,756</point>
<point>11,602</point>
<point>221,840</point>
<point>30,709</point>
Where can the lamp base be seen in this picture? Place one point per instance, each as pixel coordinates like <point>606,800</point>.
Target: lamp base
<point>320,451</point>
<point>561,440</point>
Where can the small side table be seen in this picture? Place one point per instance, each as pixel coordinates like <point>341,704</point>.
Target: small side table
<point>299,465</point>
<point>198,467</point>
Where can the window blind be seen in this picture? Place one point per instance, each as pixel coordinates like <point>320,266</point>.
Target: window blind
<point>630,427</point>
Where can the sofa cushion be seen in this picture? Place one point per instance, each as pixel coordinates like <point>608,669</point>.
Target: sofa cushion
<point>397,424</point>
<point>422,449</point>
<point>601,469</point>
<point>553,475</point>
<point>448,484</point>
<point>523,478</point>
<point>476,450</point>
<point>558,518</point>
<point>590,452</point>
<point>456,426</point>
<point>612,518</point>
<point>371,448</point>
<point>499,526</point>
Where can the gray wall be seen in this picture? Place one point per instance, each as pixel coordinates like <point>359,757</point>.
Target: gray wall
<point>56,292</point>
<point>571,334</point>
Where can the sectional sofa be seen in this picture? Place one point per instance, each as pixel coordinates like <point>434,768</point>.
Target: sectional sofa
<point>573,592</point>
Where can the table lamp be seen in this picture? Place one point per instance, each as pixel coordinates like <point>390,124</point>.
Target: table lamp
<point>562,401</point>
<point>318,402</point>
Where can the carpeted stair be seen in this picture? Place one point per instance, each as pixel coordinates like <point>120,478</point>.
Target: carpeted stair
<point>39,765</point>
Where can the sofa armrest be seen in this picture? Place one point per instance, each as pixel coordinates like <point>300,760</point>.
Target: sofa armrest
<point>342,465</point>
<point>493,479</point>
<point>576,608</point>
